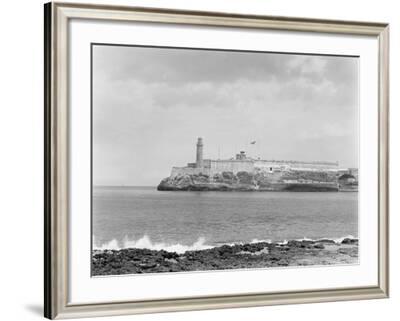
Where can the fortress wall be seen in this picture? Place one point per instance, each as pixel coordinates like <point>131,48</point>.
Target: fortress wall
<point>315,166</point>
<point>212,167</point>
<point>183,170</point>
<point>189,171</point>
<point>234,166</point>
<point>267,166</point>
<point>296,165</point>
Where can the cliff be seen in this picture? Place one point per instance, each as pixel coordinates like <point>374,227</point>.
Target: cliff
<point>248,181</point>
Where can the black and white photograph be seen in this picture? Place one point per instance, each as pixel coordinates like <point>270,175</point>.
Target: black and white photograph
<point>207,160</point>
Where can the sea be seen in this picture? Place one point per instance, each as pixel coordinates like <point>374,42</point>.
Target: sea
<point>142,217</point>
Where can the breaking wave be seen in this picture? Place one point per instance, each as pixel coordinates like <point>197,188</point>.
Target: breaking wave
<point>146,243</point>
<point>340,239</point>
<point>336,240</point>
<point>259,241</point>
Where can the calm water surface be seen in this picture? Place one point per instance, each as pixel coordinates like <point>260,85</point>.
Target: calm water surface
<point>145,217</point>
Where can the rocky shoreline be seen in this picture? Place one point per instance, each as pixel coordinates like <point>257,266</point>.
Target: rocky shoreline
<point>238,256</point>
<point>292,181</point>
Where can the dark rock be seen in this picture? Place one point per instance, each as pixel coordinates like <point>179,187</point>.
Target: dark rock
<point>350,241</point>
<point>147,265</point>
<point>169,255</point>
<point>250,255</point>
<point>218,178</point>
<point>302,243</point>
<point>228,175</point>
<point>294,243</point>
<point>245,178</point>
<point>283,262</point>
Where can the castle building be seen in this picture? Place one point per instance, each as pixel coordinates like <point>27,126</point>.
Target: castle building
<point>244,163</point>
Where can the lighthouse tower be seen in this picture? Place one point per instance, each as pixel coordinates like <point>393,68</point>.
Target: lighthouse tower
<point>199,153</point>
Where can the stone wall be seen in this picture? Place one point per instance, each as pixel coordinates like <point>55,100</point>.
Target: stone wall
<point>296,165</point>
<point>212,167</point>
<point>234,166</point>
<point>176,171</point>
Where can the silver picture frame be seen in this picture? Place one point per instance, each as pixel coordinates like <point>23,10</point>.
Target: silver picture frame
<point>57,16</point>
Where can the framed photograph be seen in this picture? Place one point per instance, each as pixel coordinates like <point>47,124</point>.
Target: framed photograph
<point>202,160</point>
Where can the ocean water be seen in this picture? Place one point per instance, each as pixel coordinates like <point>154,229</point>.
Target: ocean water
<point>143,217</point>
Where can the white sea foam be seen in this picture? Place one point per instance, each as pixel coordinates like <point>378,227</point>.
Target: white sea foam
<point>111,245</point>
<point>260,241</point>
<point>336,240</point>
<point>340,239</point>
<point>305,239</point>
<point>146,243</point>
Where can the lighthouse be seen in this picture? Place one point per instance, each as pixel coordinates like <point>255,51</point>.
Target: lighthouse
<point>199,153</point>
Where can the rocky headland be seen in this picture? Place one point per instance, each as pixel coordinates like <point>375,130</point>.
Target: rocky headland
<point>247,181</point>
<point>238,256</point>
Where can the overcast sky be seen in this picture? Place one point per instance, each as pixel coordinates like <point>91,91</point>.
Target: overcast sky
<point>151,104</point>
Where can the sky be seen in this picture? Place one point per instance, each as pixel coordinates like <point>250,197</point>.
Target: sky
<point>151,104</point>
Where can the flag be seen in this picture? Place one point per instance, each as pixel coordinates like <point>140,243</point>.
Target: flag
<point>253,142</point>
